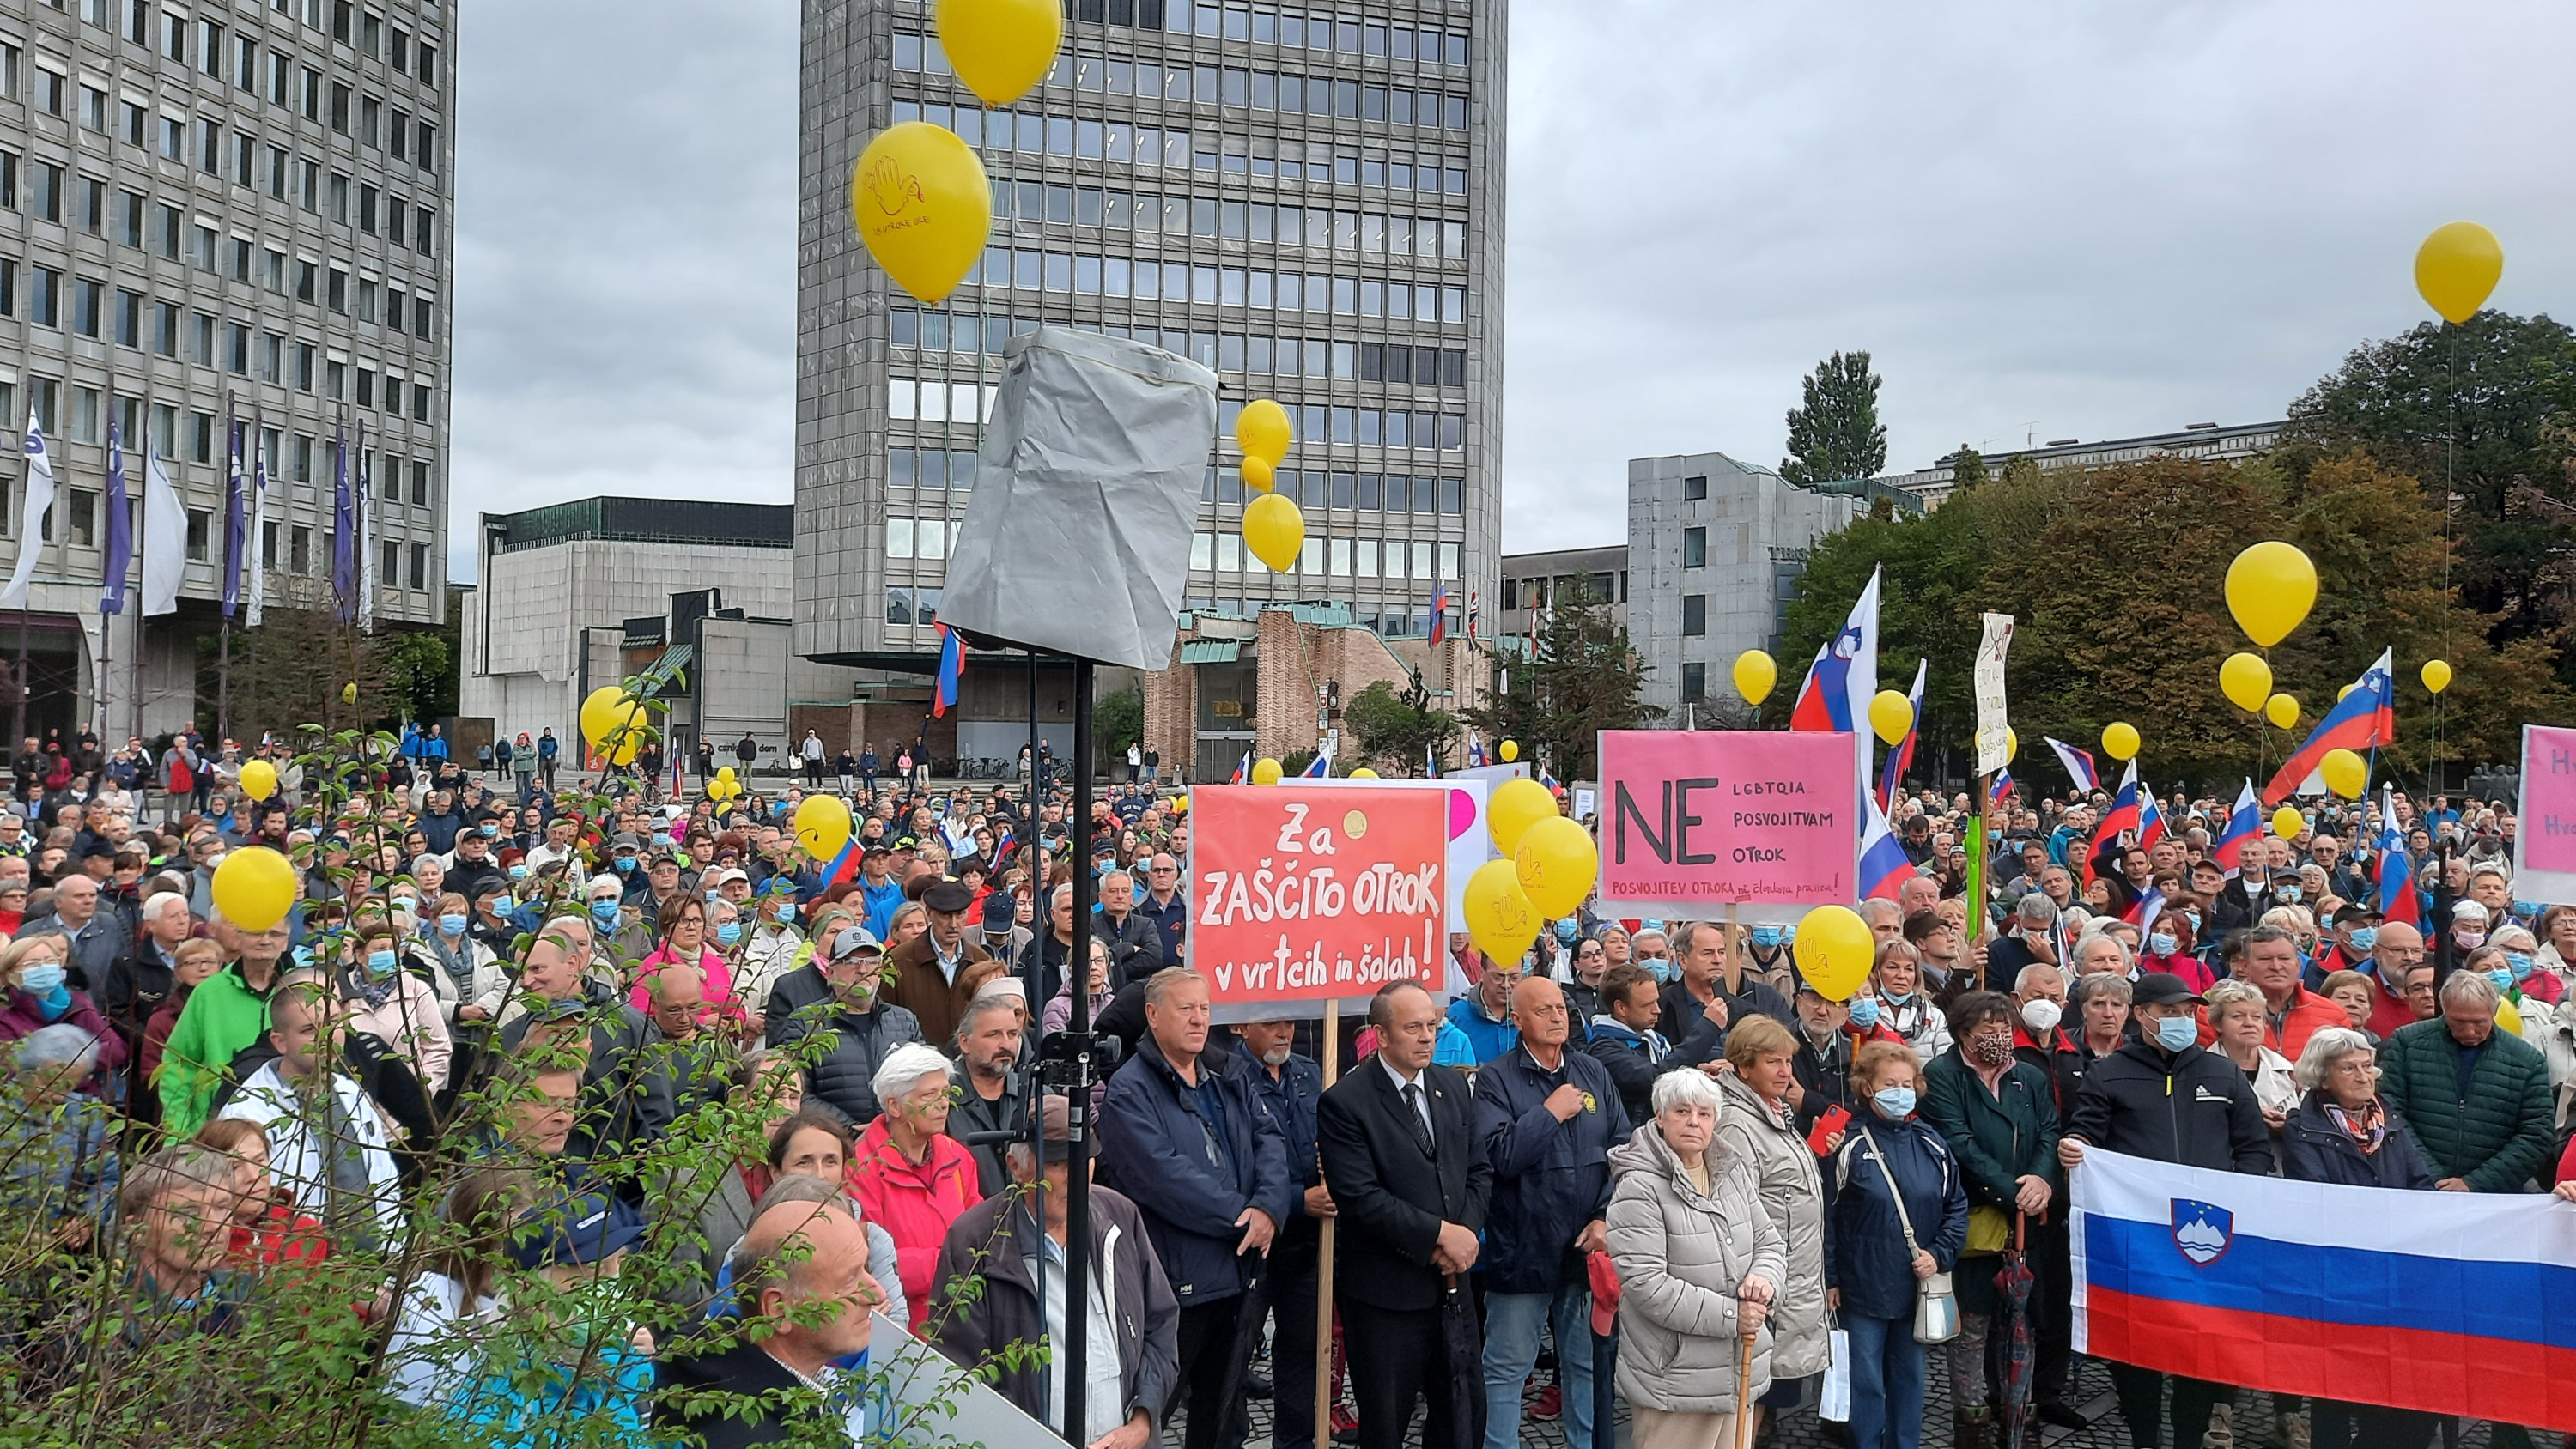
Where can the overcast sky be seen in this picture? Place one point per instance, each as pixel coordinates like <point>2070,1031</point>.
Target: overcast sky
<point>2042,220</point>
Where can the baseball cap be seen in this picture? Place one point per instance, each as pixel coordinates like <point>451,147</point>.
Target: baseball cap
<point>1055,1124</point>
<point>626,840</point>
<point>854,939</point>
<point>2162,988</point>
<point>727,876</point>
<point>877,846</point>
<point>577,1228</point>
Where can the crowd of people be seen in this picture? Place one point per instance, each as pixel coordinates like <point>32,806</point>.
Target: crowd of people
<point>548,1105</point>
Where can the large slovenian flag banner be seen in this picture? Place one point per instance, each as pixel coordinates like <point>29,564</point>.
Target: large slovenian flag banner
<point>2398,902</point>
<point>2244,826</point>
<point>1901,757</point>
<point>1840,684</point>
<point>952,668</point>
<point>1884,867</point>
<point>2361,721</point>
<point>2446,1302</point>
<point>2079,765</point>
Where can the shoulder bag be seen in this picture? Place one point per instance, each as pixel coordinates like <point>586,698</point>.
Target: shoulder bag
<point>1936,1310</point>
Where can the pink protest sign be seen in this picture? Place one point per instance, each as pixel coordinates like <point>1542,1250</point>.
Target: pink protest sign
<point>1721,817</point>
<point>2547,838</point>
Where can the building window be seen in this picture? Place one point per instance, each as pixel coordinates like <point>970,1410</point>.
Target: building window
<point>420,566</point>
<point>1694,681</point>
<point>420,482</point>
<point>299,550</point>
<point>1694,614</point>
<point>200,530</point>
<point>1694,489</point>
<point>1694,548</point>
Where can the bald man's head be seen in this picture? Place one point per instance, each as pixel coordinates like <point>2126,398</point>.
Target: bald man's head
<point>1538,1008</point>
<point>803,1267</point>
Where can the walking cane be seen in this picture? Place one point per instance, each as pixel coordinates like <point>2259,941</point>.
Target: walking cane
<point>1744,1389</point>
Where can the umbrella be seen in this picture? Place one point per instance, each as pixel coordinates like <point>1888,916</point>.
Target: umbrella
<point>1464,1339</point>
<point>2012,1285</point>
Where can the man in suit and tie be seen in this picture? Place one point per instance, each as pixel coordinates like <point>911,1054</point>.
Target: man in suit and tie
<point>1410,1181</point>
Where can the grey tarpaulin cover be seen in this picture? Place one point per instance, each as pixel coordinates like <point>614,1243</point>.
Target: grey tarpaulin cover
<point>1077,537</point>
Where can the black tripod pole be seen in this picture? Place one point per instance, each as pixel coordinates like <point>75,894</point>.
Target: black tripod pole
<point>2440,925</point>
<point>1077,966</point>
<point>1035,988</point>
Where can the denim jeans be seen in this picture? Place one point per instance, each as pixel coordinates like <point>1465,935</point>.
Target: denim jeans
<point>1886,1383</point>
<point>1511,1348</point>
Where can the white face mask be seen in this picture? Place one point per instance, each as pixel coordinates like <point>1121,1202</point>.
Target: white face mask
<point>2041,1016</point>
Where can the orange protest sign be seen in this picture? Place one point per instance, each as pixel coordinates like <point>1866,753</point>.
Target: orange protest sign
<point>1303,892</point>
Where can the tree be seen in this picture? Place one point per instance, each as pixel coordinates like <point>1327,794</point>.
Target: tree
<point>1119,721</point>
<point>292,670</point>
<point>1967,469</point>
<point>1397,730</point>
<point>1582,677</point>
<point>1836,434</point>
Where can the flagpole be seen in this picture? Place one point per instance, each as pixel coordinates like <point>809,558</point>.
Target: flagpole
<point>142,543</point>
<point>106,620</point>
<point>230,583</point>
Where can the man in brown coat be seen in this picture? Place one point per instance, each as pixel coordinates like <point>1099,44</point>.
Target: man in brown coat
<point>928,971</point>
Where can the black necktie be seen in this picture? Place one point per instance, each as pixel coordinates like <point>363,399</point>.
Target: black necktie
<point>1413,1114</point>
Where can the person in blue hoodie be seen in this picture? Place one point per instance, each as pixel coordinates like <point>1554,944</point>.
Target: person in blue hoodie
<point>1624,1040</point>
<point>1484,1012</point>
<point>1897,1204</point>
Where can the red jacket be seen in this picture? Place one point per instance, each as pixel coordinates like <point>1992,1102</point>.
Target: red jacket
<point>2388,1011</point>
<point>282,1236</point>
<point>914,1202</point>
<point>2309,1014</point>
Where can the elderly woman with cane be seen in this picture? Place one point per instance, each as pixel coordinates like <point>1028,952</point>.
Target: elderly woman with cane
<point>1698,1259</point>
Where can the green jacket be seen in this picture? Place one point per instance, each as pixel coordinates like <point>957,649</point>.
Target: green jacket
<point>222,1016</point>
<point>2001,1138</point>
<point>2497,1137</point>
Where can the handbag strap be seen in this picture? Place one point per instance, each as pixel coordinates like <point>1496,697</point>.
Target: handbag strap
<point>1903,1220</point>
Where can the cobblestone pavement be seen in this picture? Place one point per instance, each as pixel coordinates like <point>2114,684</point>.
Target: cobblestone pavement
<point>2255,1424</point>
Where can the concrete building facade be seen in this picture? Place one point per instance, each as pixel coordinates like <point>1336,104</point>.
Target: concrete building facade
<point>1532,582</point>
<point>1308,201</point>
<point>218,215</point>
<point>2208,442</point>
<point>1715,550</point>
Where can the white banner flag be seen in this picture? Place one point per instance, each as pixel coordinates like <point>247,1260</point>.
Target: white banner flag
<point>31,516</point>
<point>165,537</point>
<point>1992,752</point>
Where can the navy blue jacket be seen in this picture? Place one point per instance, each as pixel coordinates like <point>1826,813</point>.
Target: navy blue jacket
<point>2314,1149</point>
<point>1291,1100</point>
<point>1190,1187</point>
<point>1550,1177</point>
<point>1864,1241</point>
<point>1172,921</point>
<point>1633,1066</point>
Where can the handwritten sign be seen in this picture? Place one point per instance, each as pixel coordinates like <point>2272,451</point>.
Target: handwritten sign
<point>2544,866</point>
<point>1726,817</point>
<point>1308,892</point>
<point>1992,727</point>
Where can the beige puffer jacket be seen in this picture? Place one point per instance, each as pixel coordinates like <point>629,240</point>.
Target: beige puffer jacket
<point>1680,1257</point>
<point>1794,1195</point>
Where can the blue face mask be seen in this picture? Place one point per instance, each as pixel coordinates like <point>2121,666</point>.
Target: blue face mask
<point>2366,939</point>
<point>452,925</point>
<point>2287,895</point>
<point>1766,938</point>
<point>604,912</point>
<point>1567,930</point>
<point>518,872</point>
<point>661,838</point>
<point>1864,1012</point>
<point>1894,1101</point>
<point>2163,945</point>
<point>502,905</point>
<point>2526,910</point>
<point>1659,967</point>
<point>625,863</point>
<point>2503,979</point>
<point>2518,964</point>
<point>380,962</point>
<point>728,933</point>
<point>2173,1033</point>
<point>41,981</point>
<point>491,831</point>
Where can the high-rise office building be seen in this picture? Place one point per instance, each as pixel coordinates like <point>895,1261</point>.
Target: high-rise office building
<point>1306,198</point>
<point>214,212</point>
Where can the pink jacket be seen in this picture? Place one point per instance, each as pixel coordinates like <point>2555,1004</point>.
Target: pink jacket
<point>913,1202</point>
<point>19,1015</point>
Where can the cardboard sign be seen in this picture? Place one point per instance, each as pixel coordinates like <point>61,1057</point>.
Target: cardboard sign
<point>1305,891</point>
<point>1992,727</point>
<point>2544,865</point>
<point>1697,818</point>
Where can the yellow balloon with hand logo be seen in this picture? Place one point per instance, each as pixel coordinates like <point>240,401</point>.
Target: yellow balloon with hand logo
<point>923,206</point>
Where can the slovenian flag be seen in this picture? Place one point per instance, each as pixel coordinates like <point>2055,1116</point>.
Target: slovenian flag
<point>1475,753</point>
<point>1439,614</point>
<point>2449,1303</point>
<point>2002,789</point>
<point>2122,818</point>
<point>1243,772</point>
<point>1883,863</point>
<point>2143,911</point>
<point>1901,758</point>
<point>2079,765</point>
<point>2361,721</point>
<point>2244,827</point>
<point>2151,818</point>
<point>1320,767</point>
<point>952,667</point>
<point>2397,899</point>
<point>1837,691</point>
<point>844,867</point>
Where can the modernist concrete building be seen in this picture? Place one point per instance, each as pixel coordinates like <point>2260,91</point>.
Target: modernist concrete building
<point>218,214</point>
<point>2207,442</point>
<point>1308,201</point>
<point>581,594</point>
<point>1533,582</point>
<point>1715,548</point>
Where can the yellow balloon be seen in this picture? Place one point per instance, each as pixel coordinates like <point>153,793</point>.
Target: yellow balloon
<point>1510,750</point>
<point>923,206</point>
<point>1834,950</point>
<point>2270,588</point>
<point>1181,806</point>
<point>1275,531</point>
<point>2282,710</point>
<point>1265,771</point>
<point>2120,741</point>
<point>600,714</point>
<point>1557,863</point>
<point>1891,714</point>
<point>1001,49</point>
<point>822,826</point>
<point>2246,681</point>
<point>1754,675</point>
<point>2456,267</point>
<point>258,780</point>
<point>2437,675</point>
<point>1515,807</point>
<point>2012,744</point>
<point>254,887</point>
<point>1259,475</point>
<point>1262,430</point>
<point>2340,693</point>
<point>2347,774</point>
<point>349,692</point>
<point>1363,773</point>
<point>724,774</point>
<point>2287,822</point>
<point>1500,918</point>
